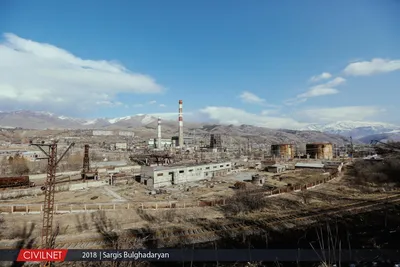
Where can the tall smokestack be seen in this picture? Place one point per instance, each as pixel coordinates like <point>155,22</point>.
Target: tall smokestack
<point>180,125</point>
<point>159,133</point>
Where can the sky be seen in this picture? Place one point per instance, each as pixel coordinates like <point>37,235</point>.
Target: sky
<point>276,64</point>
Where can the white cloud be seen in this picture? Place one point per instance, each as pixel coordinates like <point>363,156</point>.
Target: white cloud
<point>294,101</point>
<point>335,82</point>
<point>109,103</point>
<point>162,105</point>
<point>152,102</point>
<point>229,115</point>
<point>339,113</point>
<point>248,97</point>
<point>42,76</point>
<point>172,116</point>
<point>319,90</point>
<point>301,118</point>
<point>375,66</point>
<point>322,76</point>
<point>267,112</point>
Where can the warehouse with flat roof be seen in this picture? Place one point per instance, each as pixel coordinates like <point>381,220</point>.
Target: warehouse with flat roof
<point>160,176</point>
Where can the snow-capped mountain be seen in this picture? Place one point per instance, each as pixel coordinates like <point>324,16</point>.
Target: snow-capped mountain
<point>40,120</point>
<point>356,129</point>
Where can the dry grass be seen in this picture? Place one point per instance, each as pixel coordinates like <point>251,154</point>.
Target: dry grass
<point>243,202</point>
<point>376,173</point>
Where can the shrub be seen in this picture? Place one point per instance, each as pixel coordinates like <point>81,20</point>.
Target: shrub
<point>377,172</point>
<point>244,201</point>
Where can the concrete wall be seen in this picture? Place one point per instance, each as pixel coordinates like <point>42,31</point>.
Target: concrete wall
<point>8,194</point>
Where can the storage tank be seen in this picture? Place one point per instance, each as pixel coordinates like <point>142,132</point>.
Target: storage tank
<point>320,150</point>
<point>283,151</point>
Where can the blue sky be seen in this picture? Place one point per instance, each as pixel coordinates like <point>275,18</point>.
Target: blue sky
<point>231,61</point>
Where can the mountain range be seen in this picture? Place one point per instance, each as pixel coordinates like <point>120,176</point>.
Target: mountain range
<point>363,131</point>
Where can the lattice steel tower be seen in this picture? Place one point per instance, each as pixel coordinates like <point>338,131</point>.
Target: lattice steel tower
<point>47,241</point>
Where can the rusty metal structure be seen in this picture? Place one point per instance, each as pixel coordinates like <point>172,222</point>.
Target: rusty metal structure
<point>215,141</point>
<point>319,150</point>
<point>287,151</point>
<point>86,160</point>
<point>15,182</point>
<point>153,158</point>
<point>49,188</point>
<point>87,172</point>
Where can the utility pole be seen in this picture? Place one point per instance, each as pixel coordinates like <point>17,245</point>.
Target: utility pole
<point>351,147</point>
<point>86,162</point>
<point>49,188</point>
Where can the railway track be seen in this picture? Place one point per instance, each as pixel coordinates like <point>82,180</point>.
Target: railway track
<point>210,232</point>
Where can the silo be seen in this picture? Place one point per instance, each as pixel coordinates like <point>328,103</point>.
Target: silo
<point>283,150</point>
<point>320,150</point>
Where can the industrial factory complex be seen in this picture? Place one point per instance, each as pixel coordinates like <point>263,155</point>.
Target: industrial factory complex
<point>78,171</point>
<point>179,159</point>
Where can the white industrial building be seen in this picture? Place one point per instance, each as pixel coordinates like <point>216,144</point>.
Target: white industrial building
<point>126,133</point>
<point>102,132</point>
<point>187,141</point>
<point>160,176</point>
<point>121,146</point>
<point>165,143</point>
<point>276,168</point>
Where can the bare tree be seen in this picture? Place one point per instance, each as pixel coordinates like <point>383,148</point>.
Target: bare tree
<point>74,162</point>
<point>18,165</point>
<point>4,166</point>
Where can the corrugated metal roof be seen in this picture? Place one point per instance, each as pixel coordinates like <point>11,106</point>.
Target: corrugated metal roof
<point>309,165</point>
<point>174,167</point>
<point>276,166</point>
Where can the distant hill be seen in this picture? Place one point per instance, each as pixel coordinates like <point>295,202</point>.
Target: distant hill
<point>145,125</point>
<point>355,129</point>
<point>384,137</point>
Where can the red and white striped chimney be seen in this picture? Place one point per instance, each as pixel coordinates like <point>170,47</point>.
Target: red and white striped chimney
<point>180,124</point>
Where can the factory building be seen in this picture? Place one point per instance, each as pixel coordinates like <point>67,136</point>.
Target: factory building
<point>126,133</point>
<point>109,132</point>
<point>187,141</point>
<point>307,165</point>
<point>121,146</point>
<point>165,143</point>
<point>276,168</point>
<point>160,176</point>
<point>102,132</point>
<point>319,151</point>
<point>215,141</point>
<point>287,151</point>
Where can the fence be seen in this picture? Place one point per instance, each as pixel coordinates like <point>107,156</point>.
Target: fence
<point>72,208</point>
